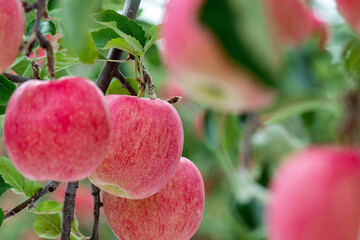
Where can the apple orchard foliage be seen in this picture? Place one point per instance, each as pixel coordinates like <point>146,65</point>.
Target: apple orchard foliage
<point>266,69</point>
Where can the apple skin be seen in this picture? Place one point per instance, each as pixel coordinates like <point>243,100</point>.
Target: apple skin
<point>11,31</point>
<point>174,213</point>
<point>350,11</point>
<point>316,195</point>
<point>58,130</point>
<point>145,148</point>
<point>198,62</point>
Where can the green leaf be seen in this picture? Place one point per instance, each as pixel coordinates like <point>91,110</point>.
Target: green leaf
<point>21,66</point>
<point>49,207</point>
<point>77,38</point>
<point>11,175</point>
<point>2,215</point>
<point>31,187</point>
<point>131,31</point>
<point>3,186</point>
<point>154,36</point>
<point>6,89</point>
<point>245,37</point>
<point>102,36</point>
<point>75,225</point>
<point>2,110</point>
<point>121,44</point>
<point>48,225</point>
<point>116,88</point>
<point>62,61</point>
<point>46,27</point>
<point>73,236</point>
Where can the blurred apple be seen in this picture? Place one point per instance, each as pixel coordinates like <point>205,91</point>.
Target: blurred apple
<point>316,195</point>
<point>11,31</point>
<point>350,10</point>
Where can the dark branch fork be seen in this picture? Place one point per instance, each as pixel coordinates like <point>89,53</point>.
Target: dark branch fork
<point>40,6</point>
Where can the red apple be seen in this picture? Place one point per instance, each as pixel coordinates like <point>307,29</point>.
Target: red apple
<point>11,31</point>
<point>145,148</point>
<point>316,195</point>
<point>350,10</point>
<point>174,213</point>
<point>202,67</point>
<point>290,22</point>
<point>57,130</point>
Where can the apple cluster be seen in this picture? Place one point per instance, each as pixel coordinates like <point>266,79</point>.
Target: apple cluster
<point>131,147</point>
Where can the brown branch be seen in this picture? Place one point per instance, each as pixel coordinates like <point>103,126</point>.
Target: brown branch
<point>49,188</point>
<point>97,205</point>
<point>124,82</point>
<point>68,209</point>
<point>16,78</point>
<point>36,34</point>
<point>110,69</point>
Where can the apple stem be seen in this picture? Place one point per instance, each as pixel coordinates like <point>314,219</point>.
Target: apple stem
<point>49,188</point>
<point>97,204</point>
<point>68,209</point>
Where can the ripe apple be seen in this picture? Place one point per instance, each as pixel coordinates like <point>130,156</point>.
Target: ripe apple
<point>57,130</point>
<point>316,195</point>
<point>174,213</point>
<point>11,31</point>
<point>145,147</point>
<point>197,60</point>
<point>290,22</point>
<point>350,11</point>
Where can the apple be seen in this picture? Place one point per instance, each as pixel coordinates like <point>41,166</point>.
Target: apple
<point>207,73</point>
<point>198,62</point>
<point>174,213</point>
<point>350,11</point>
<point>58,130</point>
<point>145,147</point>
<point>290,22</point>
<point>316,195</point>
<point>11,31</point>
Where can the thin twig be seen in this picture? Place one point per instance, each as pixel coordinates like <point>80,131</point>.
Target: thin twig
<point>16,78</point>
<point>68,209</point>
<point>49,188</point>
<point>97,204</point>
<point>36,34</point>
<point>124,82</point>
